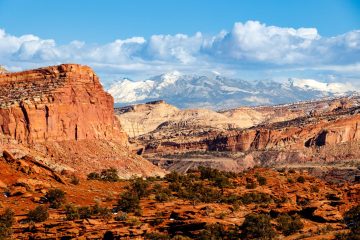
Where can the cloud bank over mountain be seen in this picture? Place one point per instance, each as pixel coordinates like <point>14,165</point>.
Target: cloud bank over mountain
<point>249,46</point>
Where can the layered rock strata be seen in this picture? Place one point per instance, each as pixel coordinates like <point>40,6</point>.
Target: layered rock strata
<point>65,102</point>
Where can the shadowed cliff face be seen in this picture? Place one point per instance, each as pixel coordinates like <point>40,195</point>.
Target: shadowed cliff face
<point>65,102</point>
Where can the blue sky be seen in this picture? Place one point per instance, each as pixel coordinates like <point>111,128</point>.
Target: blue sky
<point>268,39</point>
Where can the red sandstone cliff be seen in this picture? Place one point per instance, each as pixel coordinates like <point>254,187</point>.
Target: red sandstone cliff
<point>61,116</point>
<point>65,102</point>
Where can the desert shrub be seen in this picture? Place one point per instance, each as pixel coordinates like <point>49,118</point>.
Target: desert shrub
<point>156,236</point>
<point>39,214</point>
<point>218,231</point>
<point>103,212</point>
<point>261,180</point>
<point>6,222</point>
<point>315,189</point>
<point>74,180</point>
<point>122,216</point>
<point>85,212</point>
<point>291,171</point>
<point>251,185</point>
<point>71,212</point>
<point>289,225</point>
<point>255,197</point>
<point>175,186</point>
<point>129,202</point>
<point>221,182</point>
<point>300,179</point>
<point>198,191</point>
<point>56,197</point>
<point>109,175</point>
<point>352,221</point>
<point>290,180</point>
<point>257,226</point>
<point>140,187</point>
<point>93,176</point>
<point>162,197</point>
<point>173,177</point>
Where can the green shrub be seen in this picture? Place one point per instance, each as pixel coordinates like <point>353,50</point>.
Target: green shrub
<point>256,197</point>
<point>156,236</point>
<point>122,216</point>
<point>289,225</point>
<point>39,214</point>
<point>221,182</point>
<point>257,226</point>
<point>109,175</point>
<point>261,180</point>
<point>251,185</point>
<point>300,179</point>
<point>129,202</point>
<point>292,171</point>
<point>162,197</point>
<point>198,191</point>
<point>85,212</point>
<point>71,212</point>
<point>140,187</point>
<point>93,176</point>
<point>6,222</point>
<point>219,231</point>
<point>173,177</point>
<point>56,197</point>
<point>352,221</point>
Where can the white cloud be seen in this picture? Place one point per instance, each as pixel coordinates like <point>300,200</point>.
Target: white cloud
<point>250,45</point>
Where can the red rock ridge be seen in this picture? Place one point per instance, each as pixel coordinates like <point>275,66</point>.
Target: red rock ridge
<point>65,102</point>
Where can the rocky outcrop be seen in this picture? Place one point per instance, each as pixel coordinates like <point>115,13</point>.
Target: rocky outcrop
<point>65,102</point>
<point>62,117</point>
<point>327,131</point>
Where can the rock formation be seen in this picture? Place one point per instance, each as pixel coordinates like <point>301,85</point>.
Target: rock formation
<point>61,116</point>
<point>65,102</point>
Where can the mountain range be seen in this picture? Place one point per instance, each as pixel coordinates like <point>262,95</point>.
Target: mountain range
<point>218,92</point>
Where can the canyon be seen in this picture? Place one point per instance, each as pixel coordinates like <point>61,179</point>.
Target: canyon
<point>317,131</point>
<point>155,171</point>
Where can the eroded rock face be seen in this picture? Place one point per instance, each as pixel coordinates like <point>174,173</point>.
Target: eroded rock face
<point>65,102</point>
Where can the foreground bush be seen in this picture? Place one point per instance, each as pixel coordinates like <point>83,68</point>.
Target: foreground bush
<point>39,214</point>
<point>257,226</point>
<point>129,202</point>
<point>6,221</point>
<point>289,224</point>
<point>107,175</point>
<point>56,197</point>
<point>352,221</point>
<point>218,231</point>
<point>73,212</point>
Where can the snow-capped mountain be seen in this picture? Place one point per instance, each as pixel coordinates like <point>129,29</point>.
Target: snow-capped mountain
<point>217,92</point>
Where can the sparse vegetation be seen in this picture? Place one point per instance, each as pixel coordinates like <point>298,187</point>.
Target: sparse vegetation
<point>129,202</point>
<point>300,179</point>
<point>261,180</point>
<point>56,197</point>
<point>289,225</point>
<point>107,175</point>
<point>257,226</point>
<point>39,214</point>
<point>6,222</point>
<point>352,221</point>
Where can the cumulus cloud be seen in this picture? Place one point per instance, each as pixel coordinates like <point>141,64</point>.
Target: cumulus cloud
<point>247,45</point>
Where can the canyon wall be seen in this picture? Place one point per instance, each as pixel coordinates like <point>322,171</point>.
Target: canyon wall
<point>65,102</point>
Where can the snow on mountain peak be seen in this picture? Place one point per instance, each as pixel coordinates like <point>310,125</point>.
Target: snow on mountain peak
<point>213,91</point>
<point>168,79</point>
